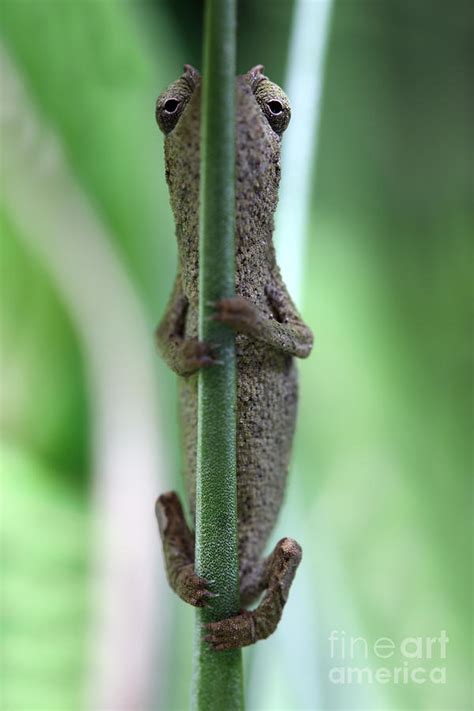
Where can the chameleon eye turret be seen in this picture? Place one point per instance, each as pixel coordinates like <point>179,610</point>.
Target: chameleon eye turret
<point>277,112</point>
<point>269,335</point>
<point>172,102</point>
<point>271,98</point>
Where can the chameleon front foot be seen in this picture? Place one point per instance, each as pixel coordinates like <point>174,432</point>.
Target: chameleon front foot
<point>185,356</point>
<point>197,354</point>
<point>238,313</point>
<point>250,626</point>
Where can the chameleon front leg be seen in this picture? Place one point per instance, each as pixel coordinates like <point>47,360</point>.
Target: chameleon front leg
<point>285,332</point>
<point>178,550</point>
<point>250,626</point>
<point>183,355</point>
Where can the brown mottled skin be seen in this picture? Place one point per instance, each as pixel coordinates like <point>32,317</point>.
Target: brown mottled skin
<point>269,333</point>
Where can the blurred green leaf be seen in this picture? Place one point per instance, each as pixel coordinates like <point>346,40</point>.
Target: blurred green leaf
<point>43,397</point>
<point>44,559</point>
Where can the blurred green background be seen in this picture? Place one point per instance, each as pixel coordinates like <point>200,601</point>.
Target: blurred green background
<point>380,491</point>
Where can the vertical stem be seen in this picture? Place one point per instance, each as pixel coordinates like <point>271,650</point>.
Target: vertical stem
<point>217,682</point>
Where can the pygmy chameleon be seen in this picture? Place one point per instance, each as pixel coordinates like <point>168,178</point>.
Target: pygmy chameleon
<point>269,333</point>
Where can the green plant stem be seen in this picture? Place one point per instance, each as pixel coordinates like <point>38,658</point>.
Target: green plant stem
<point>217,680</point>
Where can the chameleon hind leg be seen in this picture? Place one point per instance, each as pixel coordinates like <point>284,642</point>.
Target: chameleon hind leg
<point>275,576</point>
<point>178,551</point>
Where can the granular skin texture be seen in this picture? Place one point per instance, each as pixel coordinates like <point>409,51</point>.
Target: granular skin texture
<point>269,334</point>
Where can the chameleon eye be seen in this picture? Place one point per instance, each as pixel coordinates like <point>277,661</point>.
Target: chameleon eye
<point>172,102</point>
<point>171,106</point>
<point>278,114</point>
<point>271,98</point>
<point>168,112</point>
<point>276,107</point>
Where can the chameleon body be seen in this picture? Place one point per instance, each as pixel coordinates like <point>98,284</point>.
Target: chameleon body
<point>269,333</point>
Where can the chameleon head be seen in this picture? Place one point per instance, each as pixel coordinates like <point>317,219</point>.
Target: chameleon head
<point>262,114</point>
<point>273,102</point>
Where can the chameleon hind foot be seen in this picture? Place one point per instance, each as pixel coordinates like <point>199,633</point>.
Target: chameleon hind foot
<point>250,626</point>
<point>178,550</point>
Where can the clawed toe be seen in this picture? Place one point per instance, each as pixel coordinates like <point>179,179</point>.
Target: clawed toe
<point>192,588</point>
<point>202,596</point>
<point>199,594</point>
<point>199,354</point>
<point>231,633</point>
<point>237,312</point>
